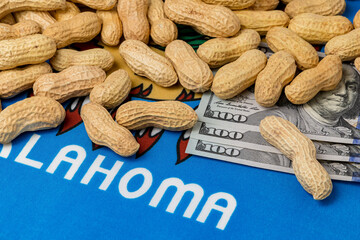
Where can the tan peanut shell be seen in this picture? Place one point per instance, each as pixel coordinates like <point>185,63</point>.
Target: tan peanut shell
<point>318,29</point>
<point>232,4</point>
<point>324,77</point>
<point>346,46</point>
<point>75,81</point>
<point>233,78</point>
<point>169,115</point>
<point>65,58</point>
<point>262,21</point>
<point>81,28</point>
<point>356,20</point>
<point>264,5</point>
<point>44,19</point>
<point>155,11</point>
<point>279,71</point>
<point>17,30</point>
<point>32,49</point>
<point>8,19</point>
<point>219,51</point>
<point>357,63</point>
<point>145,62</point>
<point>286,1</point>
<point>69,12</point>
<point>321,7</point>
<point>96,4</point>
<point>194,74</point>
<point>133,15</point>
<point>104,131</point>
<point>210,20</point>
<point>163,31</point>
<point>284,135</point>
<point>8,6</point>
<point>111,31</point>
<point>17,80</point>
<point>30,114</point>
<point>280,38</point>
<point>113,91</point>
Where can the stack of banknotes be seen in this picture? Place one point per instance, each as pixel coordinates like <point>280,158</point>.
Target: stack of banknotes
<point>228,130</point>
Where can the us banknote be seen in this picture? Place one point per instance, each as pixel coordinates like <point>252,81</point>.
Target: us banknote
<point>243,138</point>
<point>244,112</point>
<point>331,116</point>
<point>343,171</point>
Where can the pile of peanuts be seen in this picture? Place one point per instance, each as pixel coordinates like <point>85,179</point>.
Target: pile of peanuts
<point>34,31</point>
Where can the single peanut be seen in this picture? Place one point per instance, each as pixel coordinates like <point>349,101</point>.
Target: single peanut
<point>111,29</point>
<point>163,31</point>
<point>356,20</point>
<point>279,71</point>
<point>284,135</point>
<point>65,58</point>
<point>324,77</point>
<point>75,81</point>
<point>346,46</point>
<point>32,49</point>
<point>69,12</point>
<point>169,115</point>
<point>220,51</point>
<point>81,28</point>
<point>194,74</point>
<point>96,4</point>
<point>8,19</point>
<point>113,91</point>
<point>145,62</point>
<point>280,38</point>
<point>264,5</point>
<point>17,30</point>
<point>262,21</point>
<point>30,114</point>
<point>8,6</point>
<point>17,80</point>
<point>133,15</point>
<point>210,20</point>
<point>232,4</point>
<point>321,7</point>
<point>104,131</point>
<point>44,19</point>
<point>318,29</point>
<point>233,78</point>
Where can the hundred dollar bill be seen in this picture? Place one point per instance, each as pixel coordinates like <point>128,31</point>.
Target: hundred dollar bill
<point>331,116</point>
<point>343,171</point>
<point>324,118</point>
<point>244,138</point>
